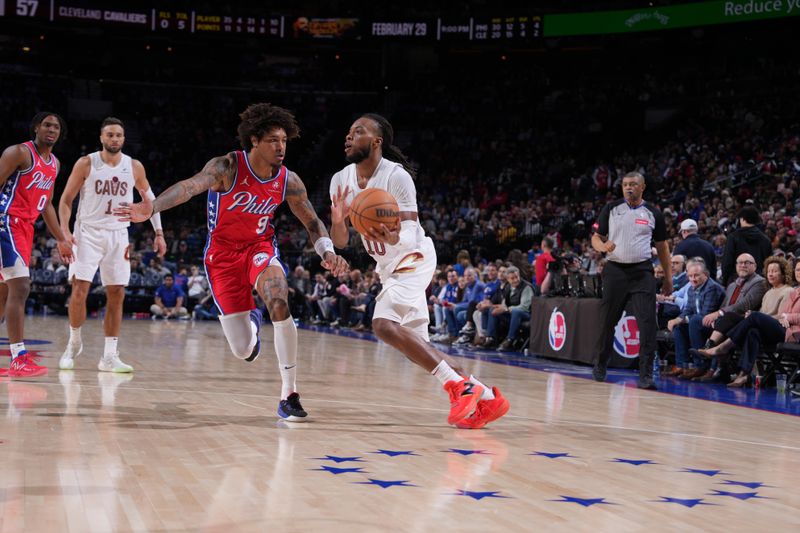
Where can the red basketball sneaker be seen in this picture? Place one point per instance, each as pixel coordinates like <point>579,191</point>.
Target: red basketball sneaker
<point>24,366</point>
<point>464,396</point>
<point>487,411</point>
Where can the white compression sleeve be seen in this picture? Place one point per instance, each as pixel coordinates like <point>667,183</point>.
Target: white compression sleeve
<point>155,220</point>
<point>240,332</point>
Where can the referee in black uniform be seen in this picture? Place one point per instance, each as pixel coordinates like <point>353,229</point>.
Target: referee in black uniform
<point>625,231</point>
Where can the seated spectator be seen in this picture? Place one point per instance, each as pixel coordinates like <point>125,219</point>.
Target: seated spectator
<point>346,295</point>
<point>435,308</point>
<point>744,294</point>
<point>780,309</point>
<point>448,299</point>
<point>473,327</point>
<point>463,261</point>
<point>54,263</point>
<point>299,287</point>
<point>197,285</point>
<point>704,296</point>
<point>169,300</point>
<point>679,277</point>
<point>156,268</point>
<point>457,316</point>
<point>515,308</point>
<point>317,308</point>
<point>492,295</point>
<point>367,307</point>
<point>205,309</point>
<point>693,245</point>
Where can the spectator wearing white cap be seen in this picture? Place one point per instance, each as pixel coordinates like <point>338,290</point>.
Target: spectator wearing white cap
<point>693,245</point>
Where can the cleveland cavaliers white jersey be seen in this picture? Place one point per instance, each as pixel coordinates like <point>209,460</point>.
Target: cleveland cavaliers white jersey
<point>103,191</point>
<point>391,177</point>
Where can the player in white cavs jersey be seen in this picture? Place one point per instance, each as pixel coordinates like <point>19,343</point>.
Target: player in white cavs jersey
<point>104,179</point>
<point>406,260</point>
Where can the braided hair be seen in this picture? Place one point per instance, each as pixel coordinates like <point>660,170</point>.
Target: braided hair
<point>390,151</point>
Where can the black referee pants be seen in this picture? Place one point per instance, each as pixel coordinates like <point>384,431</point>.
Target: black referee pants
<point>634,283</point>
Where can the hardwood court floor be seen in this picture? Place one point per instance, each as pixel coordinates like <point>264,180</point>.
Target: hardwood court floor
<point>190,442</point>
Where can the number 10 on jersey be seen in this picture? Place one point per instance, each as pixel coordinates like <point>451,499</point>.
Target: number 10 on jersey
<point>375,247</point>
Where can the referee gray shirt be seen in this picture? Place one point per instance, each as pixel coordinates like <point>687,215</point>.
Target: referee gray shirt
<point>632,229</point>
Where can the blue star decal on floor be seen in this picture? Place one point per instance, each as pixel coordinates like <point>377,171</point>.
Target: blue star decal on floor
<point>480,495</point>
<point>385,484</point>
<point>551,455</point>
<point>468,452</point>
<point>337,471</point>
<point>748,484</point>
<point>686,503</point>
<point>338,460</point>
<point>738,495</point>
<point>392,453</point>
<point>709,473</point>
<point>634,462</point>
<point>586,502</point>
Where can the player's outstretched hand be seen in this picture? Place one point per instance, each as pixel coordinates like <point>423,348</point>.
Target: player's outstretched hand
<point>138,212</point>
<point>65,250</point>
<point>384,234</point>
<point>340,210</point>
<point>335,263</point>
<point>160,245</point>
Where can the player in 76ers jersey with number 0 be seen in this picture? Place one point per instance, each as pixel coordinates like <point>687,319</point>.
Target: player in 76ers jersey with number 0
<point>406,260</point>
<point>244,190</point>
<point>27,176</point>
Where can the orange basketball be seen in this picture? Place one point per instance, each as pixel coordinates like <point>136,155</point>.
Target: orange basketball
<point>374,207</point>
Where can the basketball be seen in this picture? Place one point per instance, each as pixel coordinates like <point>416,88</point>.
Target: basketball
<point>374,207</point>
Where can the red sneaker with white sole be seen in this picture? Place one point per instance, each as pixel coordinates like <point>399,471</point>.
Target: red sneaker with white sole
<point>24,366</point>
<point>486,411</point>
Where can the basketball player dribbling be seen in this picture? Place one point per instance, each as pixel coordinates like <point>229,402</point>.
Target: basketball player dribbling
<point>27,176</point>
<point>104,179</point>
<point>244,190</point>
<point>406,261</point>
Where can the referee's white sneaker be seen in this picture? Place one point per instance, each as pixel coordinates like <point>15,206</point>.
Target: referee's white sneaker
<point>112,363</point>
<point>67,361</point>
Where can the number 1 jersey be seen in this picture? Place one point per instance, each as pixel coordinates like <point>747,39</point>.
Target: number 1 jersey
<point>244,214</point>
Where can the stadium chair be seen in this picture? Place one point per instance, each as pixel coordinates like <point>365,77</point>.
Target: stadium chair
<point>790,360</point>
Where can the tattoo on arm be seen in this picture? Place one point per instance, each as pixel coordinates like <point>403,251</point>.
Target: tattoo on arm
<point>212,174</point>
<point>298,201</point>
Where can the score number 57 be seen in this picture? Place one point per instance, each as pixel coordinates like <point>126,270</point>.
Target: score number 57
<point>27,8</point>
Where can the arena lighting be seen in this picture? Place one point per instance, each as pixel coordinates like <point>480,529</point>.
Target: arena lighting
<point>41,37</point>
<point>26,48</point>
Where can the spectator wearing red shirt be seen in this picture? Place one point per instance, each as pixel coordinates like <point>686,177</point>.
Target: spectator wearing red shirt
<point>541,261</point>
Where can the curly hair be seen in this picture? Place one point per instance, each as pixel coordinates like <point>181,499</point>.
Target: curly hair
<point>786,269</point>
<point>259,119</point>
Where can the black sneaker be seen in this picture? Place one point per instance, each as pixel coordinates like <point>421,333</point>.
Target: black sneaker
<point>599,373</point>
<point>647,383</point>
<point>291,410</point>
<point>256,317</point>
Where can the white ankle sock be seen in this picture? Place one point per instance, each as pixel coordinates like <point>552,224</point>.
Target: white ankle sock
<point>286,350</point>
<point>487,391</point>
<point>75,336</point>
<point>110,347</point>
<point>16,349</point>
<point>444,373</point>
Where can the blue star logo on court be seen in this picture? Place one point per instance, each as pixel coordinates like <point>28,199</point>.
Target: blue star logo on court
<point>739,495</point>
<point>393,453</point>
<point>634,462</point>
<point>468,452</point>
<point>586,502</point>
<point>480,495</point>
<point>338,460</point>
<point>686,503</point>
<point>709,473</point>
<point>552,455</point>
<point>748,484</point>
<point>384,484</point>
<point>336,471</point>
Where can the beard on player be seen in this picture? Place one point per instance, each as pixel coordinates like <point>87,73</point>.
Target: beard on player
<point>111,149</point>
<point>357,156</point>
